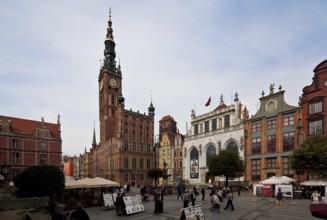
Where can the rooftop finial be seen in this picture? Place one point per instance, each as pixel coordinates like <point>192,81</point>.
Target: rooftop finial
<point>221,100</point>
<point>110,36</point>
<point>271,88</point>
<point>94,142</point>
<point>109,13</point>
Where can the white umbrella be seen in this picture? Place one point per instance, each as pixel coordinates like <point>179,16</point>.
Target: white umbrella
<point>71,183</point>
<point>289,179</point>
<point>274,180</point>
<point>315,182</point>
<point>97,182</point>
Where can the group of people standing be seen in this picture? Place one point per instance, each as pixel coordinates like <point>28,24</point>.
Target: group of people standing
<point>217,197</point>
<point>187,196</point>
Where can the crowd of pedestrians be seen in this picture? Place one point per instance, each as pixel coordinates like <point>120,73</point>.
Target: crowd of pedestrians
<point>188,196</point>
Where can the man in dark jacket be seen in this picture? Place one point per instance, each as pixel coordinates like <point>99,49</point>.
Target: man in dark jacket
<point>79,213</point>
<point>193,197</point>
<point>203,192</point>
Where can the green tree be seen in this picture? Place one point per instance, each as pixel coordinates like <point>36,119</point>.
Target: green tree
<point>155,174</point>
<point>43,180</point>
<point>227,163</point>
<point>311,156</point>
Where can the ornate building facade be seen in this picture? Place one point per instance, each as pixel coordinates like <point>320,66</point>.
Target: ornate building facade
<point>170,152</point>
<point>25,143</point>
<point>271,135</point>
<point>220,129</point>
<point>314,103</point>
<point>124,153</point>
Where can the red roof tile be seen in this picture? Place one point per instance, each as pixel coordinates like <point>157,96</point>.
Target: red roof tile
<point>28,127</point>
<point>167,118</point>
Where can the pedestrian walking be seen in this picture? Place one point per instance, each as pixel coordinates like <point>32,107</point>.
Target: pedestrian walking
<point>229,197</point>
<point>193,197</point>
<point>186,198</point>
<point>179,192</point>
<point>118,204</point>
<point>215,203</point>
<point>203,192</point>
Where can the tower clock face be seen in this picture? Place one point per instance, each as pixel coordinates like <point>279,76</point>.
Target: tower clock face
<point>113,83</point>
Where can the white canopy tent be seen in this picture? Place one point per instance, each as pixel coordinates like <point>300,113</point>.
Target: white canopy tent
<point>71,183</point>
<point>97,182</point>
<point>315,182</point>
<point>274,180</point>
<point>289,179</point>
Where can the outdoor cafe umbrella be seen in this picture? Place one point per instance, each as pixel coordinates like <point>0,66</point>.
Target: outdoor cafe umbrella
<point>289,179</point>
<point>71,183</point>
<point>97,182</point>
<point>315,182</point>
<point>274,180</point>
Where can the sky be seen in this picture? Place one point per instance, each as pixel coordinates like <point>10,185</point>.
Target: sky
<point>175,53</point>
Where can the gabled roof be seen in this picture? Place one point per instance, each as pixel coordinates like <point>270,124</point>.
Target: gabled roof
<point>28,127</point>
<point>222,106</point>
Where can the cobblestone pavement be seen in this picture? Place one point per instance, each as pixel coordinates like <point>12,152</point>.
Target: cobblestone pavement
<point>246,208</point>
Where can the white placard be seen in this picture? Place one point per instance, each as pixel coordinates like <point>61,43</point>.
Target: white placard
<point>287,190</point>
<point>133,204</point>
<point>193,213</point>
<point>108,199</point>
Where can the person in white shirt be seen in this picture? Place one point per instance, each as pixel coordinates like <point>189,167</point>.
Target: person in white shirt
<point>315,197</point>
<point>215,203</point>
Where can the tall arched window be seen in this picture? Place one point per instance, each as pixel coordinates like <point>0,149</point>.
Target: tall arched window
<point>194,160</point>
<point>232,146</point>
<point>211,151</point>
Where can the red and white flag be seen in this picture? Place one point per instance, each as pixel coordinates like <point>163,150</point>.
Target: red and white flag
<point>208,102</point>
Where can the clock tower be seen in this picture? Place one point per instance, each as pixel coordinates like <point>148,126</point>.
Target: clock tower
<point>111,101</point>
<point>125,152</point>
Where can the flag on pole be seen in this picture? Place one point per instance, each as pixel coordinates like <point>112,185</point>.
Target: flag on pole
<point>208,102</point>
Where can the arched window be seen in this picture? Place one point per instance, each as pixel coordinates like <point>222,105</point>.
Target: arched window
<point>232,146</point>
<point>211,151</point>
<point>194,162</point>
